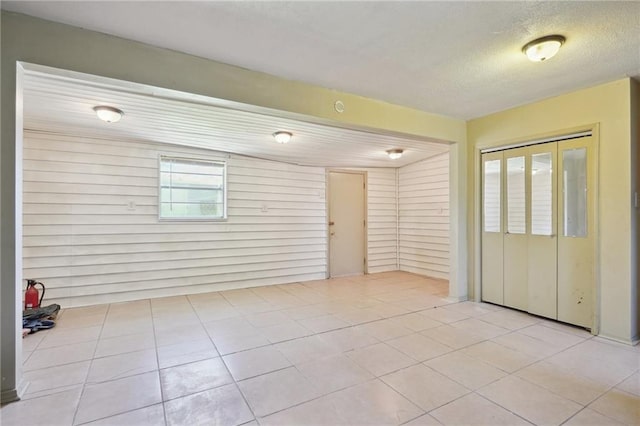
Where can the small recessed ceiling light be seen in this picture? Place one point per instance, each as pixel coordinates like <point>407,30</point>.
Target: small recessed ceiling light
<point>395,153</point>
<point>543,48</point>
<point>108,114</point>
<point>282,137</point>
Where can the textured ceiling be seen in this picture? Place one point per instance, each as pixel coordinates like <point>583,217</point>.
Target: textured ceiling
<point>58,103</point>
<point>460,59</point>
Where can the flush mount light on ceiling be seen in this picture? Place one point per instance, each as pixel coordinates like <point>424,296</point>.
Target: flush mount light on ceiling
<point>395,153</point>
<point>108,113</point>
<point>282,137</point>
<point>543,48</point>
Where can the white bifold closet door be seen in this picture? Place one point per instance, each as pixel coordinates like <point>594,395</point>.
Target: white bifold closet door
<point>542,241</point>
<point>492,240</point>
<point>516,229</point>
<point>538,234</point>
<point>577,180</point>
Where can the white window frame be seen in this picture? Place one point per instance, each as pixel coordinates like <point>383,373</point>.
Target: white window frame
<point>161,218</point>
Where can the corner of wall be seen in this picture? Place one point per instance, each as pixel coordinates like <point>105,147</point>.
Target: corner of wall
<point>635,205</point>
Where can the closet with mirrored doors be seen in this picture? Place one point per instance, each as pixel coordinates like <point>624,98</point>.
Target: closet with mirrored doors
<point>538,228</point>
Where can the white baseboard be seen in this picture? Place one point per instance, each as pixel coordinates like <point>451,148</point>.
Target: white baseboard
<point>457,299</point>
<point>630,342</point>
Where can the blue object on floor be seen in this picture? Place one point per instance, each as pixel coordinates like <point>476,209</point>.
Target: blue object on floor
<point>37,325</point>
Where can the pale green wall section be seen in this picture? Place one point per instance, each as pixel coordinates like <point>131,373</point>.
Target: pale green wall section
<point>635,187</point>
<point>66,47</point>
<point>608,105</point>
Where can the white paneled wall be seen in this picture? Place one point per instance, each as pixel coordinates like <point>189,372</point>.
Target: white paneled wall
<point>92,234</point>
<point>424,217</point>
<point>382,220</point>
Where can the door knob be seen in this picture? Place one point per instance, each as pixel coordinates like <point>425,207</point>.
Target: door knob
<point>331,223</point>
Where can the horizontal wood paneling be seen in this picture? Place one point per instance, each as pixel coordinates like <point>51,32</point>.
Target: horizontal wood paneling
<point>423,193</point>
<point>85,243</point>
<point>381,220</point>
<point>82,239</point>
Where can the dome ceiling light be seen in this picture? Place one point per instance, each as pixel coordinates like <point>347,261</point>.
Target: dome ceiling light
<point>108,113</point>
<point>543,48</point>
<point>395,153</point>
<point>282,137</point>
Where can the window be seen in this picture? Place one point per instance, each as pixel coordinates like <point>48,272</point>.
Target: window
<point>192,189</point>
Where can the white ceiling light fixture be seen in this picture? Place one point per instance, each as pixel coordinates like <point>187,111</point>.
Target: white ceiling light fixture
<point>282,137</point>
<point>543,48</point>
<point>108,113</point>
<point>395,153</point>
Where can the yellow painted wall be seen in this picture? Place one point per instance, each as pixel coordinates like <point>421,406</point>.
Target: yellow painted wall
<point>609,106</point>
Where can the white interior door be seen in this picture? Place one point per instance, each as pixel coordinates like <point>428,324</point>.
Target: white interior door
<point>346,224</point>
<point>492,239</point>
<point>576,237</point>
<point>516,228</point>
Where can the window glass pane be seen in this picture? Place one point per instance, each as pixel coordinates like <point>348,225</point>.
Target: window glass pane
<point>516,203</point>
<point>541,194</point>
<point>165,179</point>
<point>191,189</point>
<point>491,208</point>
<point>191,210</point>
<point>574,162</point>
<point>181,195</point>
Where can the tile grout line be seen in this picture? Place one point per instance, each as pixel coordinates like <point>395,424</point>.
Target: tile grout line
<point>342,353</point>
<point>95,349</point>
<point>504,408</point>
<point>534,384</point>
<point>235,383</point>
<point>106,381</point>
<point>155,347</point>
<point>609,389</point>
<point>244,316</point>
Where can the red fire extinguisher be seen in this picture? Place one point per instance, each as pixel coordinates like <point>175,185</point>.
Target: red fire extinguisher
<point>31,299</point>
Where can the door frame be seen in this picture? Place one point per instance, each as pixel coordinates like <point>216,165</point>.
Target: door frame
<point>557,135</point>
<point>365,206</point>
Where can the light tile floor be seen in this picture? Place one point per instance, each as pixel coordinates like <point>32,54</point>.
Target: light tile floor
<point>379,349</point>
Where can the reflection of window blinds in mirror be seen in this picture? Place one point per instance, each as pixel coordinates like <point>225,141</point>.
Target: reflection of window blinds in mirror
<point>516,202</point>
<point>541,194</point>
<point>574,162</point>
<point>491,206</point>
